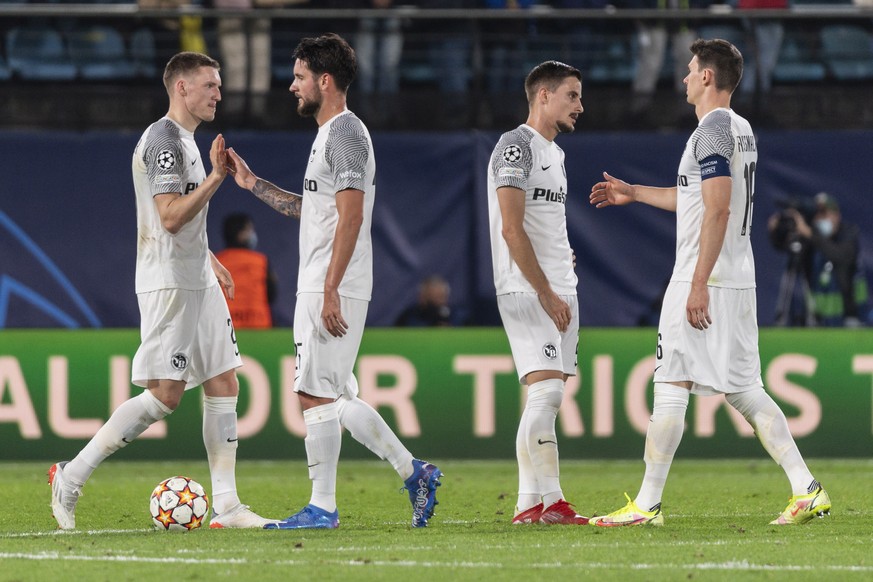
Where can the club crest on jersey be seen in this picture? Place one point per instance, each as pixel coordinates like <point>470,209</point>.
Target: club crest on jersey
<point>166,160</point>
<point>179,361</point>
<point>550,351</point>
<point>512,153</point>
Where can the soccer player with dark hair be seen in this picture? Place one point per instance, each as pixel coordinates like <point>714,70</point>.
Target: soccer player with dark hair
<point>708,331</point>
<point>187,335</point>
<point>535,279</point>
<point>334,284</point>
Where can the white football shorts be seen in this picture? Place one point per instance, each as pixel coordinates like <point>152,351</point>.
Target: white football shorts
<point>534,339</point>
<point>324,362</point>
<point>186,335</point>
<point>722,359</point>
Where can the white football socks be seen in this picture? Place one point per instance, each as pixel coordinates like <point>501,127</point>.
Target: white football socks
<point>220,439</point>
<point>126,423</point>
<point>543,401</point>
<point>770,425</point>
<point>369,428</point>
<point>528,490</point>
<point>662,439</point>
<point>323,441</point>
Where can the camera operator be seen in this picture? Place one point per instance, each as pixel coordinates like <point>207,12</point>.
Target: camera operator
<point>818,287</point>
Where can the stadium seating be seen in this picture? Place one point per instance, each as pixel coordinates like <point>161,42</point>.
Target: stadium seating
<point>729,32</point>
<point>847,50</point>
<point>798,62</point>
<point>99,54</point>
<point>143,53</point>
<point>5,73</point>
<point>613,60</point>
<point>283,43</point>
<point>39,53</point>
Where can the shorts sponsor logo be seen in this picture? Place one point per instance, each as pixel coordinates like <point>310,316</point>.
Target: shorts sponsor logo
<point>550,351</point>
<point>179,361</point>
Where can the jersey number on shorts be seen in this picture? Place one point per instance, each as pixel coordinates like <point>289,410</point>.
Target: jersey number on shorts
<point>298,347</point>
<point>233,336</point>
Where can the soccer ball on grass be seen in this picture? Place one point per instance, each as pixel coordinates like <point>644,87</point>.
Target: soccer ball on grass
<point>178,503</point>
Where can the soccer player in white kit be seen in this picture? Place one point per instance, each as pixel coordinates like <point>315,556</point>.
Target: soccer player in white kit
<point>535,280</point>
<point>187,335</point>
<point>708,333</point>
<point>334,284</point>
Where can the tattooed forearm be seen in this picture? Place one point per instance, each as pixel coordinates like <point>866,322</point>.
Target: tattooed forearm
<point>281,200</point>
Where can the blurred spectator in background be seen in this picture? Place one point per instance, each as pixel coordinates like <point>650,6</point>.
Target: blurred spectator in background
<point>581,40</point>
<point>245,46</point>
<point>186,31</point>
<point>432,308</point>
<point>255,280</point>
<point>652,38</point>
<point>763,41</point>
<point>450,45</point>
<point>449,48</point>
<point>379,46</point>
<point>506,44</point>
<point>822,285</point>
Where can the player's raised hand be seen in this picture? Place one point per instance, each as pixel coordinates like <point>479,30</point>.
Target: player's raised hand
<point>217,156</point>
<point>239,169</point>
<point>611,192</point>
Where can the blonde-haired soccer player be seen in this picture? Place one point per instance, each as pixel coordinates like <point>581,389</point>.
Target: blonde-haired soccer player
<point>187,334</point>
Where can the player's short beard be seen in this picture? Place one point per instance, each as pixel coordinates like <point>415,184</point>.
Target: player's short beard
<point>564,127</point>
<point>309,108</point>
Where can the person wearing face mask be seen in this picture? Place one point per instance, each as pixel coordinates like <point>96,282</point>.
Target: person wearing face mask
<point>831,263</point>
<point>255,280</point>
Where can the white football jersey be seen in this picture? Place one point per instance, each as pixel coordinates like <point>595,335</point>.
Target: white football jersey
<point>167,160</point>
<point>723,133</point>
<point>341,158</point>
<point>526,160</point>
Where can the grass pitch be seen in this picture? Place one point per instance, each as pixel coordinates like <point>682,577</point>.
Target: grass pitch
<point>716,513</point>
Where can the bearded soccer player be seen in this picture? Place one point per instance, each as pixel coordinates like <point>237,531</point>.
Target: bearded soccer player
<point>334,284</point>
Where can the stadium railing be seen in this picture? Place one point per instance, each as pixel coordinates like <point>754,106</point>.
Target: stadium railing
<point>460,64</point>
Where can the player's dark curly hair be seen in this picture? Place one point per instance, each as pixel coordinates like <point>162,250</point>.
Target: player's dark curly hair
<point>184,63</point>
<point>723,58</point>
<point>551,74</point>
<point>330,54</point>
